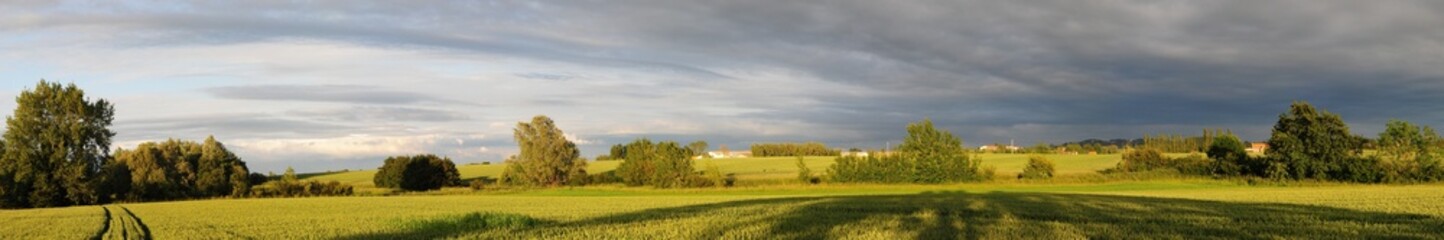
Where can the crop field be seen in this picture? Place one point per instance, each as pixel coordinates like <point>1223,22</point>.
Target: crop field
<point>765,170</point>
<point>1148,209</point>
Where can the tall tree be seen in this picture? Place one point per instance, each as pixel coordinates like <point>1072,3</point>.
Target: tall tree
<point>56,143</point>
<point>1311,143</point>
<point>546,157</point>
<point>938,155</point>
<point>219,172</point>
<point>1229,156</point>
<point>664,164</point>
<point>698,148</point>
<point>1409,152</point>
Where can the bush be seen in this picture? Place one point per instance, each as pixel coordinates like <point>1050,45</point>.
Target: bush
<point>804,174</point>
<point>1194,164</point>
<point>664,164</point>
<point>302,189</point>
<point>1142,160</point>
<point>1038,167</point>
<point>792,149</point>
<point>417,173</point>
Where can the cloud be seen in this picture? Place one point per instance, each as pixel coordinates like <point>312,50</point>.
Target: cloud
<point>380,114</point>
<point>326,93</point>
<point>850,73</point>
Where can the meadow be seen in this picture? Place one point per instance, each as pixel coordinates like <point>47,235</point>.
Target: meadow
<point>759,170</point>
<point>1148,206</point>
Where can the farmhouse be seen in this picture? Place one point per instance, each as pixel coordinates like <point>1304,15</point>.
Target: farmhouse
<point>998,147</point>
<point>730,154</point>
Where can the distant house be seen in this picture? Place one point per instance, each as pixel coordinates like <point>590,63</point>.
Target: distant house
<point>1257,147</point>
<point>730,154</point>
<point>854,154</point>
<point>998,147</point>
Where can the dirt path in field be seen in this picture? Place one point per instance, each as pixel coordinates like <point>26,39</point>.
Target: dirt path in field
<point>105,227</point>
<point>122,224</point>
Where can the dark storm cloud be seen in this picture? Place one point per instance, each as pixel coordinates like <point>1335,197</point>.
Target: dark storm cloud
<point>990,70</point>
<point>326,93</point>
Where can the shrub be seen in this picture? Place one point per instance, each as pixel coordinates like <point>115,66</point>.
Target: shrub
<point>664,164</point>
<point>1142,160</point>
<point>302,189</point>
<point>417,173</point>
<point>792,149</point>
<point>477,184</point>
<point>1194,164</point>
<point>1038,167</point>
<point>803,173</point>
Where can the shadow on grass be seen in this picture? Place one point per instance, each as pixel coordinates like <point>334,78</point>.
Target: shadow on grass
<point>452,226</point>
<point>958,215</point>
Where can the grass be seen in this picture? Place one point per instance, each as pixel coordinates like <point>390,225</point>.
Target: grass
<point>1144,206</point>
<point>762,170</point>
<point>1146,209</point>
<point>57,223</point>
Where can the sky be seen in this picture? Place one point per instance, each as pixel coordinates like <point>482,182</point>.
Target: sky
<point>326,85</point>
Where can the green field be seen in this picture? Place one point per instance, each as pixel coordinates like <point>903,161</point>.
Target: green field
<point>1147,207</point>
<point>766,170</point>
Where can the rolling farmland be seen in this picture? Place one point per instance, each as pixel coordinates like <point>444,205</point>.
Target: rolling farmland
<point>1149,208</point>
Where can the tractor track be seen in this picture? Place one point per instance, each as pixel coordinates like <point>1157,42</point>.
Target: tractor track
<point>122,226</point>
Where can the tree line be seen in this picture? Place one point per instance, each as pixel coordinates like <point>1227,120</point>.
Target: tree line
<point>56,152</point>
<point>1311,143</point>
<point>792,149</point>
<point>927,155</point>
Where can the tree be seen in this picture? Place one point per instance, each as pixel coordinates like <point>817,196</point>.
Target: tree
<point>1408,152</point>
<point>804,174</point>
<point>219,172</point>
<point>938,155</point>
<point>1312,143</point>
<point>547,157</point>
<point>417,173</point>
<point>698,148</point>
<point>664,164</point>
<point>1229,156</point>
<point>290,175</point>
<point>1038,167</point>
<point>1143,159</point>
<point>56,143</point>
<point>113,183</point>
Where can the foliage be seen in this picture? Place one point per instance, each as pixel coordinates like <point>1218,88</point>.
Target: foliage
<point>1194,164</point>
<point>698,148</point>
<point>417,173</point>
<point>664,164</point>
<point>874,168</point>
<point>1229,156</point>
<point>1312,143</point>
<point>927,155</point>
<point>546,157</point>
<point>285,188</point>
<point>1409,153</point>
<point>714,175</point>
<point>792,149</point>
<point>1143,160</point>
<point>1039,167</point>
<point>1171,143</point>
<point>804,174</point>
<point>177,169</point>
<point>937,155</point>
<point>55,145</point>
